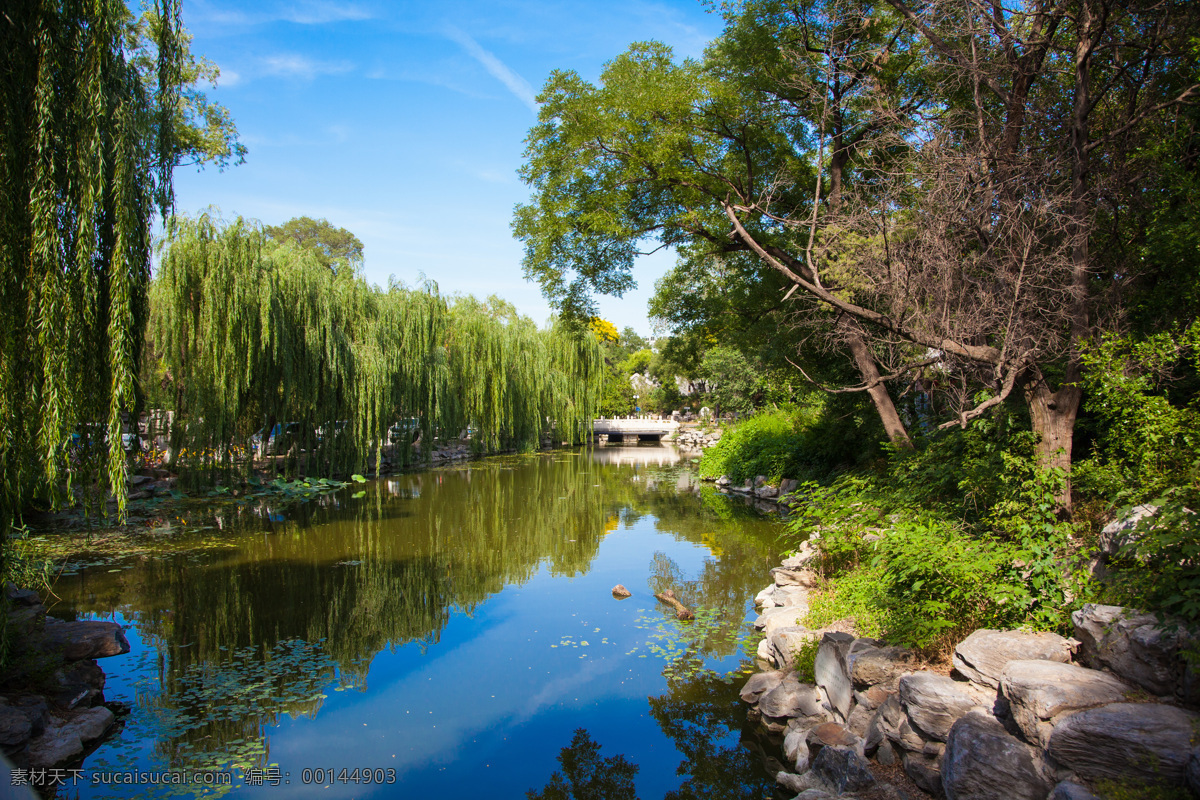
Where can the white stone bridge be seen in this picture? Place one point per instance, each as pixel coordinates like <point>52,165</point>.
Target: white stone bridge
<point>634,428</point>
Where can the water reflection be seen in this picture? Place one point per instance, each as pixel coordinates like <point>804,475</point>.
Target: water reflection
<point>463,614</point>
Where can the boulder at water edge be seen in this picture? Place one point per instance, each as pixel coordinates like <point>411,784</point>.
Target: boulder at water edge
<point>1040,692</point>
<point>933,703</point>
<point>1148,742</point>
<point>833,673</point>
<point>983,761</point>
<point>982,655</point>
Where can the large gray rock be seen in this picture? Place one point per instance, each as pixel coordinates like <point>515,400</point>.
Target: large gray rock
<point>985,762</point>
<point>760,683</point>
<point>791,699</point>
<point>791,597</point>
<point>1134,646</point>
<point>832,734</point>
<point>843,768</point>
<point>1143,742</point>
<point>15,728</point>
<point>933,703</point>
<point>794,576</point>
<point>786,642</point>
<point>1121,531</point>
<point>795,748</point>
<point>924,770</point>
<point>833,672</point>
<point>1192,778</point>
<point>773,619</point>
<point>78,641</point>
<point>64,738</point>
<point>78,684</point>
<point>873,664</point>
<point>982,655</point>
<point>1040,692</point>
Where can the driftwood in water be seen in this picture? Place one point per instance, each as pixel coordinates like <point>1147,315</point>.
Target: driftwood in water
<point>681,611</point>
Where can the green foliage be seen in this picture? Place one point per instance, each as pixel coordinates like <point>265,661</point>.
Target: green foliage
<point>85,158</point>
<point>587,776</point>
<point>336,248</point>
<point>1158,567</point>
<point>1108,789</point>
<point>1143,394</point>
<point>804,660</point>
<point>914,575</point>
<point>761,445</point>
<point>247,336</point>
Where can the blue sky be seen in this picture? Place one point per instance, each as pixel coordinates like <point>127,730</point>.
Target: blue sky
<point>404,122</point>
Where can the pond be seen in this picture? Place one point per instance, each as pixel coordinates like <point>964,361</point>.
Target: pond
<point>438,634</point>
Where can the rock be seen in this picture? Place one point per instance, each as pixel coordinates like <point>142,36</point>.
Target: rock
<point>724,480</point>
<point>77,641</point>
<point>773,619</point>
<point>765,652</point>
<point>761,683</point>
<point>1192,778</point>
<point>15,728</point>
<point>763,599</point>
<point>832,672</point>
<point>873,665</point>
<point>21,597</point>
<point>933,703</point>
<point>831,734</point>
<point>785,642</point>
<point>620,592</point>
<point>1146,742</point>
<point>787,485</point>
<point>795,597</point>
<point>64,739</point>
<point>924,771</point>
<point>791,699</point>
<point>798,560</point>
<point>78,684</point>
<point>873,697</point>
<point>1040,692</point>
<point>886,754</point>
<point>795,748</point>
<point>983,761</point>
<point>982,655</point>
<point>766,492</point>
<point>760,480</point>
<point>1134,646</point>
<point>35,710</point>
<point>1120,532</point>
<point>1071,791</point>
<point>843,768</point>
<point>807,786</point>
<point>800,576</point>
<point>885,724</point>
<point>859,721</point>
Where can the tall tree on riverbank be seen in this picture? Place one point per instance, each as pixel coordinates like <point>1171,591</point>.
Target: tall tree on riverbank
<point>958,232</point>
<point>87,144</point>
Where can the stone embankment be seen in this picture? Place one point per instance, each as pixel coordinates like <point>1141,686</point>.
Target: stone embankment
<point>697,439</point>
<point>1022,716</point>
<point>52,709</point>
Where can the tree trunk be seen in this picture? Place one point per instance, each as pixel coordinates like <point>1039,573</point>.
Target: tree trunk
<point>1052,415</point>
<point>892,424</point>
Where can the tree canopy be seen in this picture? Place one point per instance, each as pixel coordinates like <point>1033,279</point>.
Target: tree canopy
<point>919,177</point>
<point>336,248</point>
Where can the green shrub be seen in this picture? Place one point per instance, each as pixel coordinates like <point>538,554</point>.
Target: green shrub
<point>760,445</point>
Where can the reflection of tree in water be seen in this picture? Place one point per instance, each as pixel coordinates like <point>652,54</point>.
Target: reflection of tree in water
<point>587,776</point>
<point>352,578</point>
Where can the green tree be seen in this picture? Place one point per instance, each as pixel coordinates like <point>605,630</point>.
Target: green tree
<point>587,776</point>
<point>92,123</point>
<point>336,248</point>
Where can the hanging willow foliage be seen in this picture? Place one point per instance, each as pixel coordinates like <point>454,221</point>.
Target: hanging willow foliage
<point>82,166</point>
<point>248,334</point>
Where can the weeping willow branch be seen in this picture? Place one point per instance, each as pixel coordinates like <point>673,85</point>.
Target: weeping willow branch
<point>255,334</point>
<point>79,139</point>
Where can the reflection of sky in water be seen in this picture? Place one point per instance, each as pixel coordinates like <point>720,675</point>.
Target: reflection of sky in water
<point>487,706</point>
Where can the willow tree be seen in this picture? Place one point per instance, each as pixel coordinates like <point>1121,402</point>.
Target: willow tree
<point>85,157</point>
<point>247,333</point>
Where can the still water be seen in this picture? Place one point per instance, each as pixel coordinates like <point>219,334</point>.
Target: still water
<point>444,632</point>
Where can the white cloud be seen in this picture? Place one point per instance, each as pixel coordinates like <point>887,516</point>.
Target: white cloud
<point>229,78</point>
<point>292,65</point>
<point>519,87</point>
